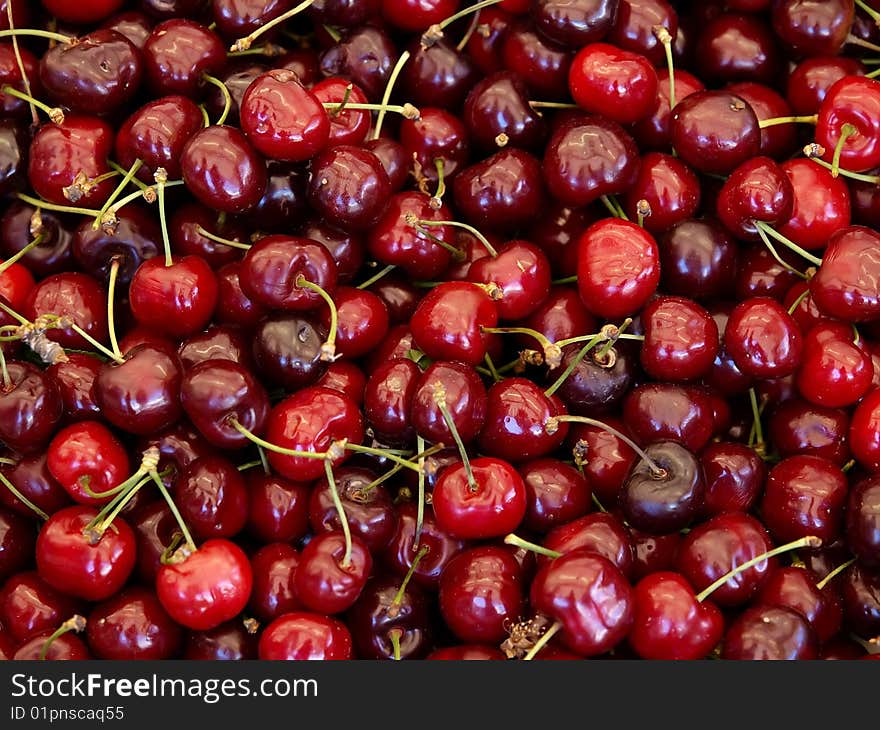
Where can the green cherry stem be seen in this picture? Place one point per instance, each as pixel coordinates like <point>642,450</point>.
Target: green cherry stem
<point>243,44</point>
<point>46,205</point>
<point>834,573</point>
<point>846,131</point>
<point>811,541</point>
<point>557,384</point>
<point>227,97</point>
<point>776,121</point>
<point>420,497</point>
<point>76,623</point>
<point>797,302</point>
<point>381,453</point>
<point>23,252</point>
<point>773,233</point>
<point>386,94</point>
<point>543,641</point>
<point>21,498</point>
<point>127,178</point>
<point>154,475</point>
<point>274,448</point>
<point>407,111</point>
<point>440,400</point>
<point>815,151</point>
<point>394,636</point>
<point>419,223</point>
<point>19,61</point>
<point>328,348</point>
<point>111,296</point>
<point>375,277</point>
<point>663,35</point>
<point>759,445</point>
<point>340,511</point>
<point>519,542</point>
<point>55,114</point>
<point>869,11</point>
<point>161,178</point>
<point>223,241</point>
<point>394,607</point>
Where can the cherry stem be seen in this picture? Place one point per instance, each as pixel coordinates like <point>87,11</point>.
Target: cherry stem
<point>643,210</point>
<point>7,381</point>
<point>381,453</point>
<point>243,44</point>
<point>457,254</point>
<point>417,223</point>
<point>869,11</point>
<point>270,50</point>
<point>397,467</point>
<point>420,496</point>
<point>462,14</point>
<point>613,334</point>
<point>553,422</point>
<point>55,114</point>
<point>149,461</point>
<point>613,207</point>
<point>663,35</point>
<point>811,541</point>
<point>557,384</point>
<point>856,41</point>
<point>161,178</point>
<point>834,573</point>
<point>759,445</point>
<point>394,607</point>
<point>46,205</point>
<point>111,293</point>
<point>373,279</point>
<point>77,623</point>
<point>122,171</point>
<point>149,194</point>
<point>437,199</point>
<point>565,280</point>
<point>264,460</point>
<point>775,254</point>
<point>552,351</point>
<point>224,241</point>
<point>394,636</point>
<point>19,61</point>
<point>408,111</point>
<point>337,110</point>
<point>552,105</point>
<point>533,547</point>
<point>776,121</point>
<point>873,74</point>
<point>440,400</point>
<point>328,349</point>
<point>846,131</point>
<point>21,498</point>
<point>37,33</point>
<point>769,230</point>
<point>274,447</point>
<point>174,511</point>
<point>386,94</point>
<point>94,343</point>
<point>340,510</point>
<point>12,313</point>
<point>475,21</point>
<point>120,504</point>
<point>490,365</point>
<point>227,97</point>
<point>18,255</point>
<point>797,302</point>
<point>543,641</point>
<point>127,178</point>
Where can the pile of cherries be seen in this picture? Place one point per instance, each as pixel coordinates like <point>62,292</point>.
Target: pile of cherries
<point>403,329</point>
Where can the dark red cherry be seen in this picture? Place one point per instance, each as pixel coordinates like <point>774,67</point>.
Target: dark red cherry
<point>288,348</point>
<point>305,635</point>
<point>234,307</point>
<point>796,588</point>
<point>156,134</point>
<point>588,156</point>
<point>283,119</point>
<point>216,342</point>
<point>669,623</point>
<point>323,582</point>
<point>437,74</point>
<point>436,138</point>
<point>812,27</point>
<point>862,527</point>
<point>17,541</point>
<point>734,477</point>
<point>68,561</point>
<point>388,400</point>
<point>777,140</point>
<point>860,605</point>
<point>574,24</point>
<point>714,131</point>
<point>738,47</point>
<point>481,592</point>
<point>836,370</point>
<point>346,377</point>
<point>484,49</point>
<point>463,394</point>
<point>178,53</point>
<point>30,408</point>
<point>235,19</point>
<point>273,567</point>
<point>278,509</point>
<point>809,81</point>
<point>223,170</point>
<point>212,498</point>
<point>845,285</point>
<point>346,248</point>
<point>556,493</point>
<point>229,641</point>
<point>206,588</point>
<point>821,204</point>
<point>499,104</point>
<point>366,55</point>
<point>522,270</point>
<point>599,532</point>
<point>697,260</point>
<point>681,339</point>
<point>668,186</point>
<point>30,475</point>
<point>542,64</point>
<point>494,508</point>
<point>133,24</point>
<point>608,457</point>
<point>10,73</point>
<point>499,192</point>
<point>618,268</point>
<point>798,427</point>
<point>757,190</point>
<point>29,605</point>
<point>634,25</point>
<point>589,596</point>
<point>393,158</point>
<point>771,633</point>
<point>65,647</point>
<point>669,412</point>
<point>81,13</point>
<point>714,547</point>
<point>97,74</point>
<point>132,625</point>
<point>652,131</point>
<point>134,238</point>
<point>53,255</point>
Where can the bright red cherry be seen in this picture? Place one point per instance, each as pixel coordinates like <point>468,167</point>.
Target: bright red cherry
<point>846,285</point>
<point>836,369</point>
<point>849,118</point>
<point>304,635</point>
<point>681,339</point>
<point>763,339</point>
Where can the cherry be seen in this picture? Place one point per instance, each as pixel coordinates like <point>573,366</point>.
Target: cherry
<point>55,645</point>
<point>346,248</point>
<point>30,408</point>
<point>212,498</point>
<point>498,104</point>
<point>464,396</point>
<point>391,619</point>
<point>11,74</point>
<point>861,609</point>
<point>769,632</point>
<point>222,169</point>
<point>71,295</point>
<point>346,377</point>
<point>141,393</point>
<point>656,412</point>
<point>97,74</point>
<point>288,351</point>
<point>347,126</point>
<point>213,391</point>
<point>437,139</point>
<point>132,625</point>
<point>757,190</point>
<point>29,606</point>
<point>589,596</point>
<point>634,25</point>
<point>330,575</point>
<point>588,157</point>
<point>87,457</point>
<point>736,46</point>
<point>561,315</point>
<point>305,635</point>
<point>542,64</point>
<point>763,339</point>
<point>311,420</point>
<point>666,192</point>
<point>388,399</point>
<point>522,270</point>
<point>156,134</point>
<point>207,587</point>
<point>233,305</point>
<point>600,532</point>
<point>484,49</point>
<point>617,83</point>
<point>777,140</point>
<point>278,509</point>
<point>556,493</point>
<point>734,477</point>
<point>798,427</point>
<point>30,477</point>
<point>809,81</point>
<point>714,131</point>
<point>216,342</point>
<point>836,371</point>
<point>486,499</point>
<point>273,567</point>
<point>178,54</point>
<point>844,287</point>
<point>652,131</point>
<point>17,539</point>
<point>669,622</point>
<point>610,458</point>
<point>365,55</point>
<point>230,641</point>
<point>69,562</point>
<point>798,588</point>
<point>481,591</point>
<point>681,339</point>
<point>618,268</point>
<point>81,13</point>
<point>812,28</point>
<point>714,547</point>
<point>862,532</point>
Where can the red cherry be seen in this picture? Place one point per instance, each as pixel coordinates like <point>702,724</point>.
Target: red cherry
<point>207,587</point>
<point>763,339</point>
<point>681,339</point>
<point>836,371</point>
<point>846,285</point>
<point>852,101</point>
<point>323,582</point>
<point>303,635</point>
